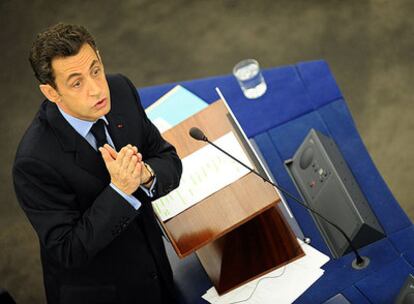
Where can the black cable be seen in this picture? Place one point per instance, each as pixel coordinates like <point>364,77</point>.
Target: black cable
<point>257,284</point>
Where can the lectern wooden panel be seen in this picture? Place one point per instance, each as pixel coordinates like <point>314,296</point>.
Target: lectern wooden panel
<point>237,233</point>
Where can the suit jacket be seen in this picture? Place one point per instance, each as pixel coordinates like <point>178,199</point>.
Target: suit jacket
<point>95,247</point>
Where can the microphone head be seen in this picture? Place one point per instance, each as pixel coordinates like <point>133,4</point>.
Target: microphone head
<point>197,134</point>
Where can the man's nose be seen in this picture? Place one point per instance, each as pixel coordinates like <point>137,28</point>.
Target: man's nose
<point>94,88</point>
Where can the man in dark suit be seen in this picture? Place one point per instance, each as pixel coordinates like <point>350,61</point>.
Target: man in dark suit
<point>85,173</point>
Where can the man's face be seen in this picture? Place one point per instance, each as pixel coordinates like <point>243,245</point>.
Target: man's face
<point>81,86</point>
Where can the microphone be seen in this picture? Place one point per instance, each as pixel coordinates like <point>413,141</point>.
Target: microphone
<point>197,134</point>
<point>358,263</point>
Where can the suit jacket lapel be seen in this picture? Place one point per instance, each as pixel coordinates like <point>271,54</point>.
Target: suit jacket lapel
<point>71,141</point>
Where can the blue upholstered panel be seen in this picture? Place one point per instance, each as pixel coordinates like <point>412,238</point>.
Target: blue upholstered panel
<point>319,82</point>
<point>383,286</point>
<point>340,275</point>
<point>403,241</point>
<point>285,99</point>
<point>353,295</point>
<point>409,257</point>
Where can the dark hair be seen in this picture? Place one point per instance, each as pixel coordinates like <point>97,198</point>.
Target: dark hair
<point>60,40</point>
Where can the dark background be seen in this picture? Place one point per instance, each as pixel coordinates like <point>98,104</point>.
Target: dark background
<point>368,44</point>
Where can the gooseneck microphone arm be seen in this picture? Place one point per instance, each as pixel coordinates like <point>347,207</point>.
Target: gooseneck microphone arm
<point>360,262</point>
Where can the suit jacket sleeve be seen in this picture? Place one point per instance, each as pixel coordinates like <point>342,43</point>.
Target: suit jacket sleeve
<point>70,237</point>
<point>159,154</point>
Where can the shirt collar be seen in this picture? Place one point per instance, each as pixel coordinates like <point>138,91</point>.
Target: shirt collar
<point>81,126</point>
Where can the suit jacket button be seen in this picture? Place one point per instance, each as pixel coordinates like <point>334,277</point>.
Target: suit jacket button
<point>154,275</point>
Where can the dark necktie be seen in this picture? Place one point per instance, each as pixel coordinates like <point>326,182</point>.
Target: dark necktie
<point>98,130</point>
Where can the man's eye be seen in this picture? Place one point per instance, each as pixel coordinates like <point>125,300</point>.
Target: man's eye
<point>76,84</point>
<point>96,71</point>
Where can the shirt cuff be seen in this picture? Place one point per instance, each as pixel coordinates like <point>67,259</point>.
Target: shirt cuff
<point>151,191</point>
<point>132,200</point>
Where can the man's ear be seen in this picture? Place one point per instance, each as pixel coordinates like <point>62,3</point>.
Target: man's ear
<point>50,92</point>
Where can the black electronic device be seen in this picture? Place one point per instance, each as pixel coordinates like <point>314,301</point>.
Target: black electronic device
<point>406,295</point>
<point>327,185</point>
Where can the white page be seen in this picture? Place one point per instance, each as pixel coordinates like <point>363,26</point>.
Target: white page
<point>313,258</point>
<point>205,172</point>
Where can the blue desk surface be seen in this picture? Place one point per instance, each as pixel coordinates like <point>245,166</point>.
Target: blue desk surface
<point>301,97</point>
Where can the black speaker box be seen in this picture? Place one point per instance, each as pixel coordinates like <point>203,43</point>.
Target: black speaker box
<point>327,185</point>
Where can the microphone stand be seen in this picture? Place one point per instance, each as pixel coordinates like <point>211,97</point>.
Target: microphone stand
<point>358,263</point>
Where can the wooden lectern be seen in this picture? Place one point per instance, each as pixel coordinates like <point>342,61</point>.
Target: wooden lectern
<point>238,233</point>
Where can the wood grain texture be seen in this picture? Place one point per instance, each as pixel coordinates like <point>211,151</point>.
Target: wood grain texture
<point>219,213</point>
